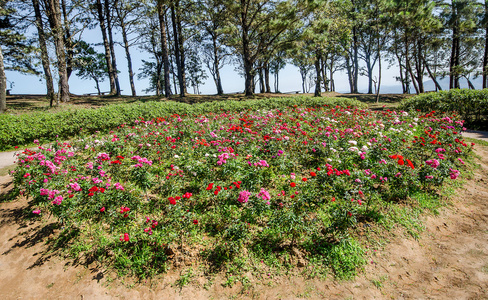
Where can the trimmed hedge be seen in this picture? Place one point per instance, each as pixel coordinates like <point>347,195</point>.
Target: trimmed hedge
<point>472,105</point>
<point>24,129</point>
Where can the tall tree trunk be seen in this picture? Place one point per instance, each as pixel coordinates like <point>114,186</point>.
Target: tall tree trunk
<point>97,85</point>
<point>276,82</point>
<point>303,74</point>
<point>420,66</point>
<point>432,76</point>
<point>177,51</point>
<point>108,60</point>
<point>369,69</point>
<point>111,45</point>
<point>44,54</point>
<point>68,41</point>
<point>455,48</point>
<point>171,57</point>
<point>164,47</point>
<point>350,75</point>
<point>158,76</point>
<point>399,58</point>
<point>355,60</point>
<point>379,70</point>
<point>470,84</point>
<point>318,80</point>
<point>457,64</point>
<point>218,81</point>
<point>247,60</point>
<point>323,69</point>
<point>485,56</point>
<point>3,85</point>
<point>261,79</point>
<point>54,16</point>
<point>126,47</point>
<point>266,78</point>
<point>331,74</point>
<point>410,72</point>
<point>353,78</point>
<point>408,66</point>
<point>181,41</point>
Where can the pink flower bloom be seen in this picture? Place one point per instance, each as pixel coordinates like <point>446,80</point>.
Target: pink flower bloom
<point>244,196</point>
<point>263,194</point>
<point>454,173</point>
<point>36,212</point>
<point>75,186</point>
<point>58,200</point>
<point>434,163</point>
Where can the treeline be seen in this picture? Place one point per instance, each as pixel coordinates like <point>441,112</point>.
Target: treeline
<point>184,39</point>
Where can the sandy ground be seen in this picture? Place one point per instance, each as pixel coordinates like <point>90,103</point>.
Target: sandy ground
<point>481,135</point>
<point>7,158</point>
<point>448,261</point>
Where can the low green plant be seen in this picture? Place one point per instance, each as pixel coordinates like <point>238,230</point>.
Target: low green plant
<point>23,129</point>
<point>471,105</point>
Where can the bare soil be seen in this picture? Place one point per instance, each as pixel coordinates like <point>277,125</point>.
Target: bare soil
<point>448,261</point>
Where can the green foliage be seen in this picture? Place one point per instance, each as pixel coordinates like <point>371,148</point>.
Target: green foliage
<point>243,190</point>
<point>471,105</point>
<point>90,64</point>
<point>23,129</point>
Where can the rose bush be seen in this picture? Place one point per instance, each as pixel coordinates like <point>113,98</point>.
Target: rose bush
<point>266,180</point>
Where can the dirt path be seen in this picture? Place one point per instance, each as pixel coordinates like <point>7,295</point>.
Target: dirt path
<point>481,135</point>
<point>7,158</point>
<point>449,261</point>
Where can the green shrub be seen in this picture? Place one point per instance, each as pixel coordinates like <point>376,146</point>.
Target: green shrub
<point>23,129</point>
<point>472,105</point>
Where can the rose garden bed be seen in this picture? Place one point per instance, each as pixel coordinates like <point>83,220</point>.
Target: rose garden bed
<point>242,190</point>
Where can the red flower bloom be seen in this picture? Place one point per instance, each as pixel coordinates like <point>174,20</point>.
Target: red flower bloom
<point>90,194</point>
<point>410,164</point>
<point>293,184</point>
<point>401,162</point>
<point>210,186</point>
<point>349,214</point>
<point>70,196</point>
<point>102,190</point>
<point>304,179</point>
<point>333,199</point>
<point>126,237</point>
<point>195,221</point>
<point>318,169</point>
<point>313,174</point>
<point>102,209</point>
<point>172,201</point>
<point>216,192</point>
<point>93,189</point>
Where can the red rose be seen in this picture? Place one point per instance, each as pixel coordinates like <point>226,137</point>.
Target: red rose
<point>293,184</point>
